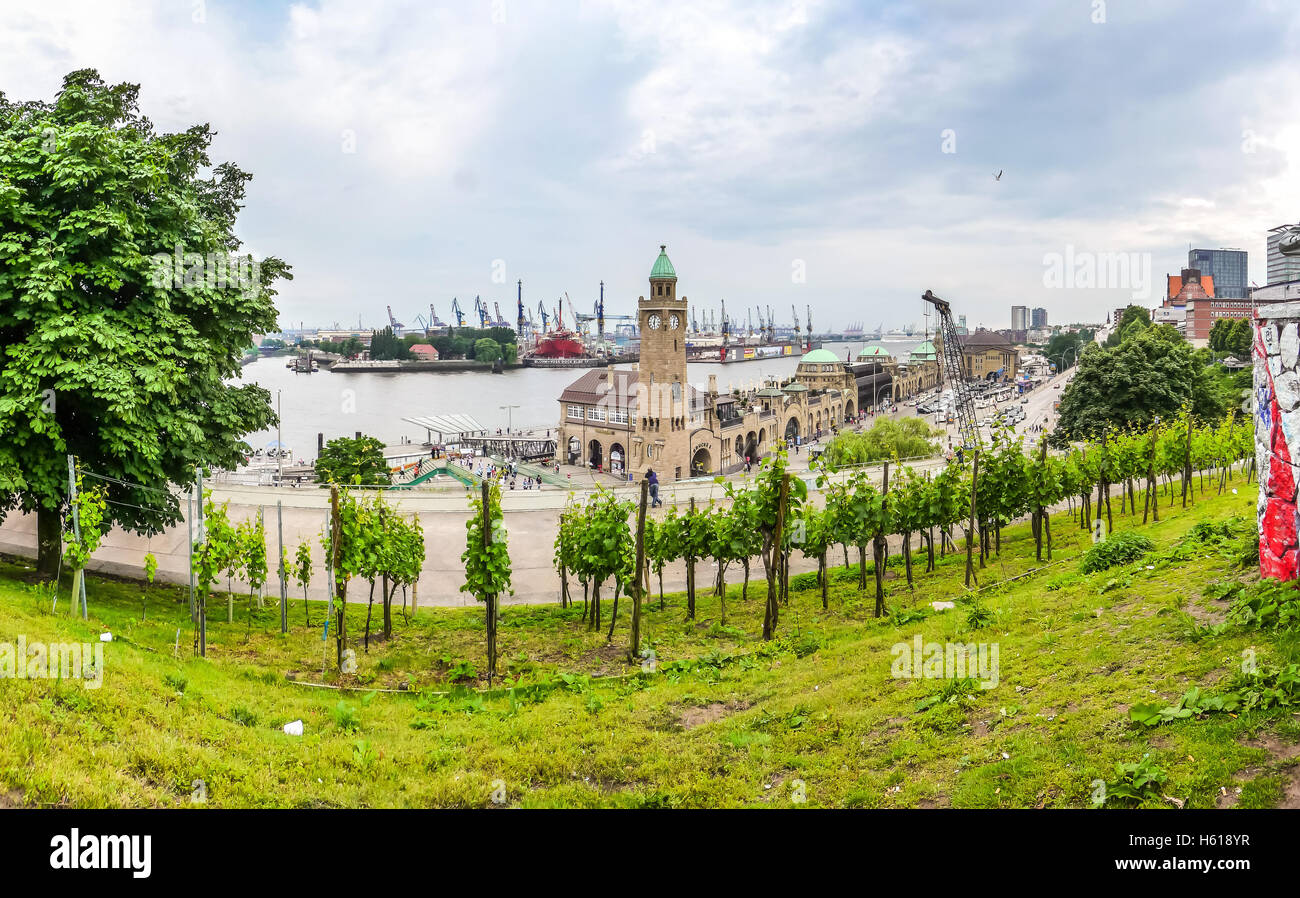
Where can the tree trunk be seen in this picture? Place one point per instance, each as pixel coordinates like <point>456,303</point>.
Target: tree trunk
<point>824,570</point>
<point>879,558</point>
<point>388,611</point>
<point>907,559</point>
<point>370,607</point>
<point>613,615</point>
<point>690,588</point>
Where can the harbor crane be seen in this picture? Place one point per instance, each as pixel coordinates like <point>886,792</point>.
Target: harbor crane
<point>457,313</point>
<point>726,329</point>
<point>393,322</point>
<point>499,321</point>
<point>546,316</point>
<point>520,323</point>
<point>480,309</point>
<point>795,313</point>
<point>954,371</point>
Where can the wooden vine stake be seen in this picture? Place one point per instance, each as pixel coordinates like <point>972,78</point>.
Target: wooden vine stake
<point>490,600</point>
<point>638,589</point>
<point>970,531</point>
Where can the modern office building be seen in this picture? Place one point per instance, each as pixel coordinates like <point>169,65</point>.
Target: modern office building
<point>1020,318</point>
<point>1281,267</point>
<point>1038,318</point>
<point>1227,269</point>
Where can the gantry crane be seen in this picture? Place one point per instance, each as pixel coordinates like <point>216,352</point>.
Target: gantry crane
<point>546,316</point>
<point>457,313</point>
<point>795,313</point>
<point>954,371</point>
<point>393,322</point>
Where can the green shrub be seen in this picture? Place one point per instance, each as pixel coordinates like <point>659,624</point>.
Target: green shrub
<point>345,718</point>
<point>1118,548</point>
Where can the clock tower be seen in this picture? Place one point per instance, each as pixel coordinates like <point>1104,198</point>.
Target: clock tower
<point>662,440</point>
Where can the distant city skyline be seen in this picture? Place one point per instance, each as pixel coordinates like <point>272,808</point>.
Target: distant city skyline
<point>837,155</point>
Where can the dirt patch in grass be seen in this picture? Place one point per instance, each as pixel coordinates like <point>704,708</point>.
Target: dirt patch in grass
<point>11,799</point>
<point>1227,797</point>
<point>931,803</point>
<point>1291,797</point>
<point>1276,748</point>
<point>1208,616</point>
<point>699,716</point>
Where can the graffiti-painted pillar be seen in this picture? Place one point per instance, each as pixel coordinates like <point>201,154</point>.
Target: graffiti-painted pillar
<point>1277,436</point>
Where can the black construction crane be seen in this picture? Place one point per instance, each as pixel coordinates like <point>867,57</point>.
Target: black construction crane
<point>954,373</point>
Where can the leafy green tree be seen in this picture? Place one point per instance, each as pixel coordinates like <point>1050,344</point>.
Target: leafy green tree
<point>487,350</point>
<point>487,562</point>
<point>302,574</point>
<point>386,346</point>
<point>886,438</point>
<point>349,461</point>
<point>121,321</point>
<point>251,538</point>
<point>664,545</point>
<point>150,571</point>
<point>817,532</point>
<point>777,502</point>
<point>1129,384</point>
<point>82,538</point>
<point>909,500</point>
<point>1134,320</point>
<point>1064,347</point>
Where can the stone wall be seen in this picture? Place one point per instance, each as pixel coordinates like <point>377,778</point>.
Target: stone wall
<point>1277,436</point>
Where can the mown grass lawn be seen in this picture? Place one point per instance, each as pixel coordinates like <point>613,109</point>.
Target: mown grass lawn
<point>812,719</point>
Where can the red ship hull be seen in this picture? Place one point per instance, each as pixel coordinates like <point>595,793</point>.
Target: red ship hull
<point>560,345</point>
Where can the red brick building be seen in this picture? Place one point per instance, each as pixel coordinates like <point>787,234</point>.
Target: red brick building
<point>1190,291</point>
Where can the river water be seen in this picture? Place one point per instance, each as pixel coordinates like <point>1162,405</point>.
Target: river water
<point>375,402</point>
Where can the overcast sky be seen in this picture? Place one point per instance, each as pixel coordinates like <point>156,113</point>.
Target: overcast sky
<point>786,152</point>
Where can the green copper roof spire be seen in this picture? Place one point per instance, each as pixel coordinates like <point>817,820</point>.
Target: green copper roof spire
<point>663,268</point>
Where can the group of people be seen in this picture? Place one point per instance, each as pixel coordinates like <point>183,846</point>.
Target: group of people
<point>509,475</point>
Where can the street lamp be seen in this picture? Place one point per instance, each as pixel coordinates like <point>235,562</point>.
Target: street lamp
<point>1063,355</point>
<point>510,417</point>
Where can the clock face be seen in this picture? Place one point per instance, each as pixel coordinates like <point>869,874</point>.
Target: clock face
<point>674,322</point>
<point>653,322</point>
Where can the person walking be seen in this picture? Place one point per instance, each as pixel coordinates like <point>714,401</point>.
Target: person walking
<point>653,479</point>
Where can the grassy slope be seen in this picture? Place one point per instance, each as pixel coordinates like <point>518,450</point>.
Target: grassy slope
<point>817,707</point>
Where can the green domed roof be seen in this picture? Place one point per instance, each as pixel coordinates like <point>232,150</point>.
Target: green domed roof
<point>663,268</point>
<point>819,356</point>
<point>874,352</point>
<point>924,352</point>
